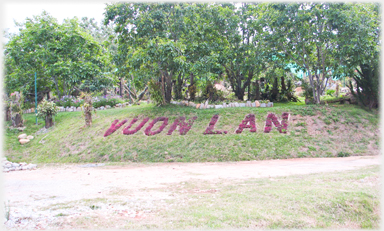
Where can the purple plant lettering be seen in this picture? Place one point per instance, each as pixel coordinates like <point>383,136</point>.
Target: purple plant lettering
<point>248,122</point>
<point>148,131</point>
<point>126,130</point>
<point>183,126</point>
<point>272,119</point>
<point>211,126</point>
<point>114,127</point>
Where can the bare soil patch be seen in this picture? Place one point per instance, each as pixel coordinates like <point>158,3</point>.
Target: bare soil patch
<point>57,196</point>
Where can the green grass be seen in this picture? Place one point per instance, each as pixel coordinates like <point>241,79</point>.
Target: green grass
<point>69,142</point>
<point>335,200</point>
<point>348,199</point>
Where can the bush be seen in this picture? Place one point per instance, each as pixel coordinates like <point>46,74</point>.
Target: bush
<point>330,92</point>
<point>192,92</point>
<point>211,93</point>
<point>155,92</point>
<point>107,101</point>
<point>28,105</point>
<point>68,101</point>
<point>46,110</point>
<point>343,154</point>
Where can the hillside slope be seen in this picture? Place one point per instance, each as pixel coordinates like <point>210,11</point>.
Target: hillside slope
<point>313,131</point>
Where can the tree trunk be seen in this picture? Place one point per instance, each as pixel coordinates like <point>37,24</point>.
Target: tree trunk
<point>168,87</point>
<point>48,121</point>
<point>178,87</point>
<point>337,90</point>
<point>88,118</point>
<point>191,79</point>
<point>17,121</point>
<point>121,88</point>
<point>275,90</point>
<point>7,113</point>
<point>239,92</point>
<point>57,86</point>
<point>283,87</point>
<point>257,90</point>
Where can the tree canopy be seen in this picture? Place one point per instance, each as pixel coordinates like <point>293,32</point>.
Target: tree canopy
<point>179,44</point>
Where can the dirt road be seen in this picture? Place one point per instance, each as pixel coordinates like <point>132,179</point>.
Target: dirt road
<point>32,195</point>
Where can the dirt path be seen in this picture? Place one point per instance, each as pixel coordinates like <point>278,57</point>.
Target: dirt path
<point>30,191</point>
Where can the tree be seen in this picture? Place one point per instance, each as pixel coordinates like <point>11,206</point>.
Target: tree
<point>358,27</point>
<point>62,55</point>
<point>152,33</point>
<point>304,33</point>
<point>46,110</point>
<point>240,43</point>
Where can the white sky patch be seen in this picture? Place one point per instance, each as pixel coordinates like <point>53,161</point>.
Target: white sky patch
<point>19,11</point>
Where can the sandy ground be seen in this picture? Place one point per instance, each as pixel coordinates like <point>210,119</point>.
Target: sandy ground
<point>51,185</point>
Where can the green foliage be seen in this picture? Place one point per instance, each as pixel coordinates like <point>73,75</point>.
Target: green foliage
<point>343,154</point>
<point>69,102</point>
<point>307,91</point>
<point>367,85</point>
<point>330,92</point>
<point>46,109</point>
<point>192,92</point>
<point>109,101</point>
<point>16,102</point>
<point>211,93</point>
<point>62,55</point>
<point>155,92</point>
<point>87,108</point>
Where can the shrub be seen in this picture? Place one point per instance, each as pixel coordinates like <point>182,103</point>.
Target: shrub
<point>343,154</point>
<point>107,101</point>
<point>155,92</point>
<point>211,93</point>
<point>192,92</point>
<point>46,110</point>
<point>65,101</point>
<point>330,92</point>
<point>87,107</point>
<point>14,107</point>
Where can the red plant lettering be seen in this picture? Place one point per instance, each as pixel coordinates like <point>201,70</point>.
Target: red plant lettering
<point>211,126</point>
<point>272,119</point>
<point>148,131</point>
<point>114,127</point>
<point>248,122</point>
<point>126,130</point>
<point>184,127</point>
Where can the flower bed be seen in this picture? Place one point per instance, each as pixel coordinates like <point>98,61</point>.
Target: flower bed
<point>209,130</point>
<point>126,130</point>
<point>248,122</point>
<point>114,127</point>
<point>184,127</point>
<point>281,126</point>
<point>148,131</point>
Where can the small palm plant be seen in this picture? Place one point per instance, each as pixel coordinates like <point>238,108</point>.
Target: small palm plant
<point>86,108</point>
<point>46,110</point>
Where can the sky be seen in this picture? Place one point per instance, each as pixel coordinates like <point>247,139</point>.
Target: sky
<point>20,10</point>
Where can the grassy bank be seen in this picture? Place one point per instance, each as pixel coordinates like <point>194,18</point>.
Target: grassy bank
<point>313,131</point>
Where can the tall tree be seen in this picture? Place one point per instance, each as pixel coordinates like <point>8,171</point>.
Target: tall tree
<point>239,41</point>
<point>63,55</point>
<point>155,31</point>
<point>358,27</point>
<point>303,32</point>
